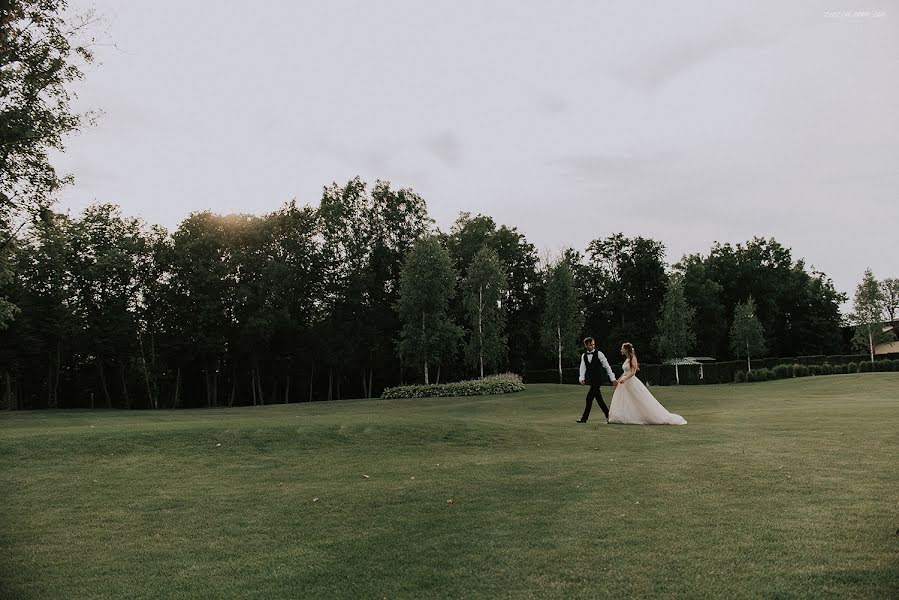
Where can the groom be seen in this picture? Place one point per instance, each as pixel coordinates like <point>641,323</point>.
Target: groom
<point>590,373</point>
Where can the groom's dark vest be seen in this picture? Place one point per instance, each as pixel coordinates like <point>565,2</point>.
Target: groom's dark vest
<point>593,375</point>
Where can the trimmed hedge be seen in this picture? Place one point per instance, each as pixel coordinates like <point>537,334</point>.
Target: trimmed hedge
<point>495,384</point>
<point>721,372</point>
<point>759,375</point>
<point>845,359</point>
<point>727,371</point>
<point>884,365</point>
<point>782,371</point>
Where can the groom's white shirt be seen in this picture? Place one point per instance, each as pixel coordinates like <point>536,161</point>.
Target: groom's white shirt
<point>602,360</point>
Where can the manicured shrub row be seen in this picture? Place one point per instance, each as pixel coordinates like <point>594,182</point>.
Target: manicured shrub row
<point>727,372</point>
<point>495,384</point>
<point>866,366</point>
<point>800,370</point>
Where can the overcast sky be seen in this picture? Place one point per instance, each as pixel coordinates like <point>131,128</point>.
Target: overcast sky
<point>692,123</point>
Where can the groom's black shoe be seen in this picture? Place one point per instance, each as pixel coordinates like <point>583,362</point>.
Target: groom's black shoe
<point>581,421</point>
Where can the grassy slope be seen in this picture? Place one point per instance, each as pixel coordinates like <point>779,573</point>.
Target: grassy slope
<point>777,489</point>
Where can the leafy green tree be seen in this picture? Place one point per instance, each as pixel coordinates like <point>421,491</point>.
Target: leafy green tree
<point>203,294</point>
<point>812,319</point>
<point>466,238</point>
<point>153,272</point>
<point>8,310</point>
<point>295,283</point>
<point>746,335</point>
<point>482,290</point>
<point>704,295</point>
<point>346,252</point>
<point>868,315</point>
<point>108,249</point>
<point>676,337</point>
<point>520,301</point>
<point>562,314</point>
<point>40,57</point>
<point>889,289</point>
<point>521,298</point>
<point>45,271</point>
<point>426,289</point>
<point>798,309</point>
<point>625,285</point>
<point>35,343</point>
<point>396,219</point>
<point>255,308</point>
<point>366,237</point>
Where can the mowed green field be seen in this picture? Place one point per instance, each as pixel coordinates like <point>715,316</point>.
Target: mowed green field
<point>783,489</point>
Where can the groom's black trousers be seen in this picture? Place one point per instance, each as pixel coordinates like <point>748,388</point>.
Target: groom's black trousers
<point>594,393</point>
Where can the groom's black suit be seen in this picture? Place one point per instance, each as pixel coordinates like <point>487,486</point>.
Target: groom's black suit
<point>592,377</point>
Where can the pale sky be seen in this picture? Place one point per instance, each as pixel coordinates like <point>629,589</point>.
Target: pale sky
<point>689,123</point>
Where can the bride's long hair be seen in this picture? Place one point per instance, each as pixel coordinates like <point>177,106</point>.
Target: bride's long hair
<point>631,355</point>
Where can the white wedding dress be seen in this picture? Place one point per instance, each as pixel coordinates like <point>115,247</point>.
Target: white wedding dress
<point>634,404</point>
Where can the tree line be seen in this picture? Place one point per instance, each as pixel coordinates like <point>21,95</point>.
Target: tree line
<point>357,294</point>
<point>342,299</point>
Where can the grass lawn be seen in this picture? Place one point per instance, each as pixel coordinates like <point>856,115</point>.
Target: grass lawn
<point>782,489</point>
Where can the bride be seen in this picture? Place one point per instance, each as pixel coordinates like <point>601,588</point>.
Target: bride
<point>632,402</point>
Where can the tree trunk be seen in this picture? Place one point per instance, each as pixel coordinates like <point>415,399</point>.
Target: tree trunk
<point>124,386</point>
<point>153,369</point>
<point>233,394</point>
<point>287,390</point>
<point>49,380</point>
<point>143,361</point>
<point>871,347</point>
<point>103,383</point>
<point>208,376</point>
<point>676,372</point>
<point>559,338</point>
<point>338,378</point>
<point>748,362</point>
<point>439,365</point>
<point>253,386</point>
<point>58,369</point>
<point>177,387</point>
<point>371,376</point>
<point>215,383</point>
<point>424,341</point>
<point>259,384</point>
<point>7,391</point>
<point>481,329</point>
<point>330,382</point>
<point>257,381</point>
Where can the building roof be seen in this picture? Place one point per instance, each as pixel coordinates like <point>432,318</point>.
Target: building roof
<point>690,360</point>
